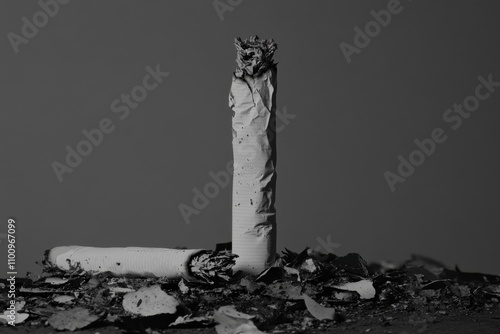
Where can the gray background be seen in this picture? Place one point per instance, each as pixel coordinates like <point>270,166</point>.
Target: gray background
<point>352,121</point>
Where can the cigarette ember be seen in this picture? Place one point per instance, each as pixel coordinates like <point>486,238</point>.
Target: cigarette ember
<point>252,99</point>
<point>196,265</point>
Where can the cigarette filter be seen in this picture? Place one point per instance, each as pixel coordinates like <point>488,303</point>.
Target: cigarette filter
<point>191,264</point>
<point>253,101</point>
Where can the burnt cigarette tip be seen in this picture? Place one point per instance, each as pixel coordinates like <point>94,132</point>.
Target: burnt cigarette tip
<point>254,56</point>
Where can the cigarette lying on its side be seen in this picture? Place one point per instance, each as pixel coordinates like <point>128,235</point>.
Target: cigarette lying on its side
<point>190,264</point>
<point>253,100</point>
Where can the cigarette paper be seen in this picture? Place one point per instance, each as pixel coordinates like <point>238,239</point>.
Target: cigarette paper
<point>197,265</point>
<point>252,99</point>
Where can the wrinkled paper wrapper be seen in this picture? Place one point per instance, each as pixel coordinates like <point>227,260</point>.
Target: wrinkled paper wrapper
<point>252,100</point>
<point>126,261</point>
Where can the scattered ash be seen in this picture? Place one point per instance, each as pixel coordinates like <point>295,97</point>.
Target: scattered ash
<point>300,292</point>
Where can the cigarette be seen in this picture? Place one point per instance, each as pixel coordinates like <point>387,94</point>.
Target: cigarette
<point>252,99</point>
<point>196,265</point>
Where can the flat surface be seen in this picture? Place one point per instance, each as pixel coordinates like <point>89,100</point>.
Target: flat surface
<point>471,323</point>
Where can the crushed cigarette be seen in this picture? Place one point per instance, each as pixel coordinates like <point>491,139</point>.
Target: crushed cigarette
<point>197,265</point>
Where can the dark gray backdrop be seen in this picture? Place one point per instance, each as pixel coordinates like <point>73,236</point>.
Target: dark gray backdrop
<point>347,124</point>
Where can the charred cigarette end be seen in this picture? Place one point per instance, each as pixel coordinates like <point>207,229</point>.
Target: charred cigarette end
<point>212,267</point>
<point>254,56</point>
<point>253,101</point>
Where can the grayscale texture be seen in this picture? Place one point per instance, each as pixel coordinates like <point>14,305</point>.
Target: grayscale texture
<point>342,126</point>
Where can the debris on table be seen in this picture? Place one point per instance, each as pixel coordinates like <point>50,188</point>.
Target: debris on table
<point>231,321</point>
<point>299,292</point>
<point>72,319</point>
<point>13,315</point>
<point>149,301</point>
<point>318,311</point>
<point>364,288</point>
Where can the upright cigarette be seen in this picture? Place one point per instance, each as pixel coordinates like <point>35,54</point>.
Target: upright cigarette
<point>252,99</point>
<point>191,264</point>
